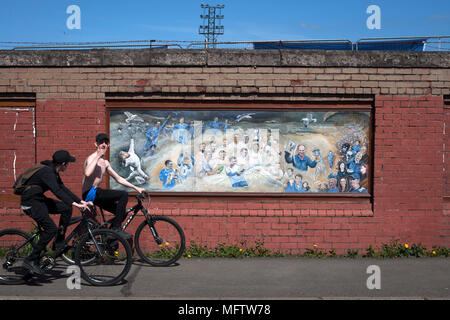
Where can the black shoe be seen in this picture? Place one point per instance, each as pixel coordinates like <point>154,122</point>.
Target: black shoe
<point>58,245</point>
<point>60,249</point>
<point>33,266</point>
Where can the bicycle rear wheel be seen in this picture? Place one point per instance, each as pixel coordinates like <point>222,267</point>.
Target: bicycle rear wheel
<point>13,249</point>
<point>110,257</point>
<point>161,243</point>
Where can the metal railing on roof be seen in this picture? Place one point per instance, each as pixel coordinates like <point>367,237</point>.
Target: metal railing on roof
<point>429,43</point>
<point>251,44</point>
<point>155,44</point>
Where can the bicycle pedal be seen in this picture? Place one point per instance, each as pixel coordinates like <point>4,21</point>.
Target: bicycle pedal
<point>6,265</point>
<point>47,263</point>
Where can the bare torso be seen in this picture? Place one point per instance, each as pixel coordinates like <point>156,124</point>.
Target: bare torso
<point>95,179</point>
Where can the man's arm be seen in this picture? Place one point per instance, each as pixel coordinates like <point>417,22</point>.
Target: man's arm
<point>148,133</point>
<point>162,175</point>
<point>59,190</point>
<point>74,197</point>
<point>288,157</point>
<point>311,163</point>
<point>121,180</point>
<point>91,162</point>
<point>164,124</point>
<point>49,178</point>
<point>131,149</point>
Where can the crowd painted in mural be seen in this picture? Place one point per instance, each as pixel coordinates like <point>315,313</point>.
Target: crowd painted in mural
<point>242,151</point>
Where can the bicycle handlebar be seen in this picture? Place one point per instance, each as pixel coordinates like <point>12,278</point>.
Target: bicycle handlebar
<point>143,195</point>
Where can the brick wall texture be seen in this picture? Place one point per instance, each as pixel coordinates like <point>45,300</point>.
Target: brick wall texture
<point>411,184</point>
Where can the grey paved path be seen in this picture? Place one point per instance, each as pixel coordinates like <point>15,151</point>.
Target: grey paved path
<point>258,278</point>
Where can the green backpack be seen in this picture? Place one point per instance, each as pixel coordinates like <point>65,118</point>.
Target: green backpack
<point>21,183</point>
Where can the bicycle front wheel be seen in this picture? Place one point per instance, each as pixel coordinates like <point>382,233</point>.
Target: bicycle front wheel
<point>110,257</point>
<point>160,243</point>
<point>13,249</point>
<point>69,255</point>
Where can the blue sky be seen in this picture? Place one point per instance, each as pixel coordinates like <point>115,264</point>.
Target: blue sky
<point>244,20</point>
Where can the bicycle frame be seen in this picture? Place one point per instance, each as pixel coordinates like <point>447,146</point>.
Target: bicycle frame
<point>83,223</point>
<point>136,208</point>
<point>172,238</point>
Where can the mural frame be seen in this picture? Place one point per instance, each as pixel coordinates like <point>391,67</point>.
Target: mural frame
<point>176,107</point>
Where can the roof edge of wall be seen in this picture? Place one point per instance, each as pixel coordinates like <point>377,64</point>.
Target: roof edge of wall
<point>222,58</point>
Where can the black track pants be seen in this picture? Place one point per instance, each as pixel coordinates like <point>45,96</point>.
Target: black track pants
<point>39,212</point>
<point>114,201</point>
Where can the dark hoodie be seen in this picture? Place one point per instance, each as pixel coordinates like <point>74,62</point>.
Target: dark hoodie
<point>48,179</point>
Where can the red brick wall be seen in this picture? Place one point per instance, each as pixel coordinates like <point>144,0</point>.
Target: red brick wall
<point>409,113</point>
<point>70,125</point>
<point>446,156</point>
<point>408,167</point>
<point>17,152</point>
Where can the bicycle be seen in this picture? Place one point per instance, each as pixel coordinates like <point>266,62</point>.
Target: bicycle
<point>158,240</point>
<point>103,256</point>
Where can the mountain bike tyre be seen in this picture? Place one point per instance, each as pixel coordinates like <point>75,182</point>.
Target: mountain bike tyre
<point>166,249</point>
<point>107,241</point>
<point>14,273</point>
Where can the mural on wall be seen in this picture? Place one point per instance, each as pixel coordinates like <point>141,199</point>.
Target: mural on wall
<point>250,151</point>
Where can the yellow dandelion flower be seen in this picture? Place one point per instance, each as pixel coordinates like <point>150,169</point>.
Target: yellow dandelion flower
<point>434,252</point>
<point>315,246</point>
<point>240,250</point>
<point>406,246</point>
<point>189,256</point>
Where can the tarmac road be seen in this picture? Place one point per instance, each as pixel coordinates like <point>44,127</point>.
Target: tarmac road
<point>257,278</point>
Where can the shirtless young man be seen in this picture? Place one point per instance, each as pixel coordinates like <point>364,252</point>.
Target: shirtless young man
<point>114,201</point>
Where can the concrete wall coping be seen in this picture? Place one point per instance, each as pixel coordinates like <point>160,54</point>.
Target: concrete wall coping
<point>222,58</point>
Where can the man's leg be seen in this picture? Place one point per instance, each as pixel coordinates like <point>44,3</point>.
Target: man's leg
<point>114,201</point>
<point>39,213</point>
<point>58,207</point>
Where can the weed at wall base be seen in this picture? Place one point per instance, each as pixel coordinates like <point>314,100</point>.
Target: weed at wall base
<point>242,250</point>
